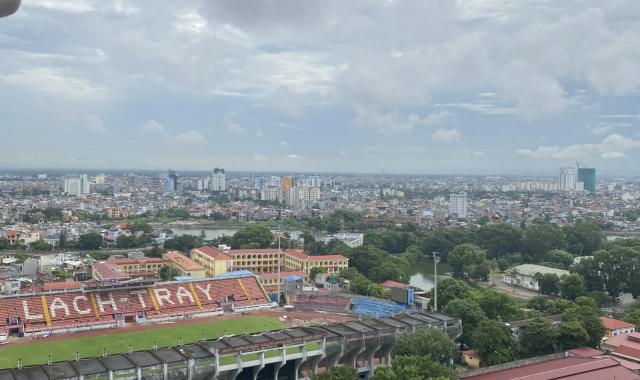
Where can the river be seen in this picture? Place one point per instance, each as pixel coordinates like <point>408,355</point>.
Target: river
<point>422,274</point>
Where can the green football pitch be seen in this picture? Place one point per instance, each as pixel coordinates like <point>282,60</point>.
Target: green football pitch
<point>38,351</point>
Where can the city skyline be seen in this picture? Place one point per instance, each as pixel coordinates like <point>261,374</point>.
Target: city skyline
<point>464,87</point>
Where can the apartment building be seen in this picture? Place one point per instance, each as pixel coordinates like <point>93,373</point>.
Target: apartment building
<point>297,260</point>
<point>184,266</point>
<point>214,261</point>
<point>146,266</point>
<point>264,260</point>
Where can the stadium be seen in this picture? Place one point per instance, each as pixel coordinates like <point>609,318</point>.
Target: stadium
<point>225,327</point>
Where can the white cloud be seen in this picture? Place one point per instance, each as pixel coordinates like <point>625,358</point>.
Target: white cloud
<point>191,137</point>
<point>289,126</point>
<point>600,130</point>
<point>389,123</point>
<point>446,135</point>
<point>536,93</point>
<point>613,146</point>
<point>484,108</point>
<point>152,127</point>
<point>190,23</point>
<point>95,125</point>
<point>259,157</point>
<point>70,6</point>
<point>54,82</point>
<point>292,156</point>
<point>613,155</point>
<point>232,125</point>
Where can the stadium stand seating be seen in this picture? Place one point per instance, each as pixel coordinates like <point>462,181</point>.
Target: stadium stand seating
<point>370,307</point>
<point>321,302</point>
<point>64,311</point>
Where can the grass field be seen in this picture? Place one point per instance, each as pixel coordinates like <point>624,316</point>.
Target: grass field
<point>37,352</point>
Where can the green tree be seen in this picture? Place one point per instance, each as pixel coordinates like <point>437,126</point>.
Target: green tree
<point>183,243</point>
<point>90,241</point>
<point>378,265</point>
<point>52,214</point>
<point>253,236</point>
<point>584,238</point>
<point>589,269</point>
<point>559,256</point>
<point>493,341</point>
<point>539,239</point>
<point>155,251</point>
<point>166,274</point>
<point>40,245</point>
<point>307,238</point>
<point>469,261</point>
<point>314,272</point>
<point>572,334</point>
<point>498,239</point>
<point>62,240</point>
<point>338,373</point>
<point>4,244</point>
<point>548,283</point>
<point>469,312</point>
<point>497,305</point>
<point>539,337</point>
<point>141,226</point>
<point>338,247</point>
<point>429,343</point>
<point>586,313</point>
<point>632,317</point>
<point>450,289</point>
<point>557,306</point>
<point>571,286</point>
<point>124,241</point>
<point>414,367</point>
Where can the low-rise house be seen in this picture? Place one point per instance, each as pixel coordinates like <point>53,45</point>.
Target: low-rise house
<point>525,275</point>
<point>616,327</point>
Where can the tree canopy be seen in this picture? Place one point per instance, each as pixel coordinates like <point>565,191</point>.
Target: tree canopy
<point>254,236</point>
<point>90,241</point>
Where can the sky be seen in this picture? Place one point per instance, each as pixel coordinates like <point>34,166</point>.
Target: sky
<point>423,86</point>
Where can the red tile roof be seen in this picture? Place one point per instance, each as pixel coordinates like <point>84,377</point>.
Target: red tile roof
<point>253,250</point>
<point>573,368</point>
<point>299,254</point>
<point>632,340</point>
<point>585,352</point>
<point>394,284</point>
<point>213,253</point>
<point>65,285</point>
<point>327,257</point>
<point>142,260</point>
<point>615,324</point>
<point>108,271</point>
<point>182,261</point>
